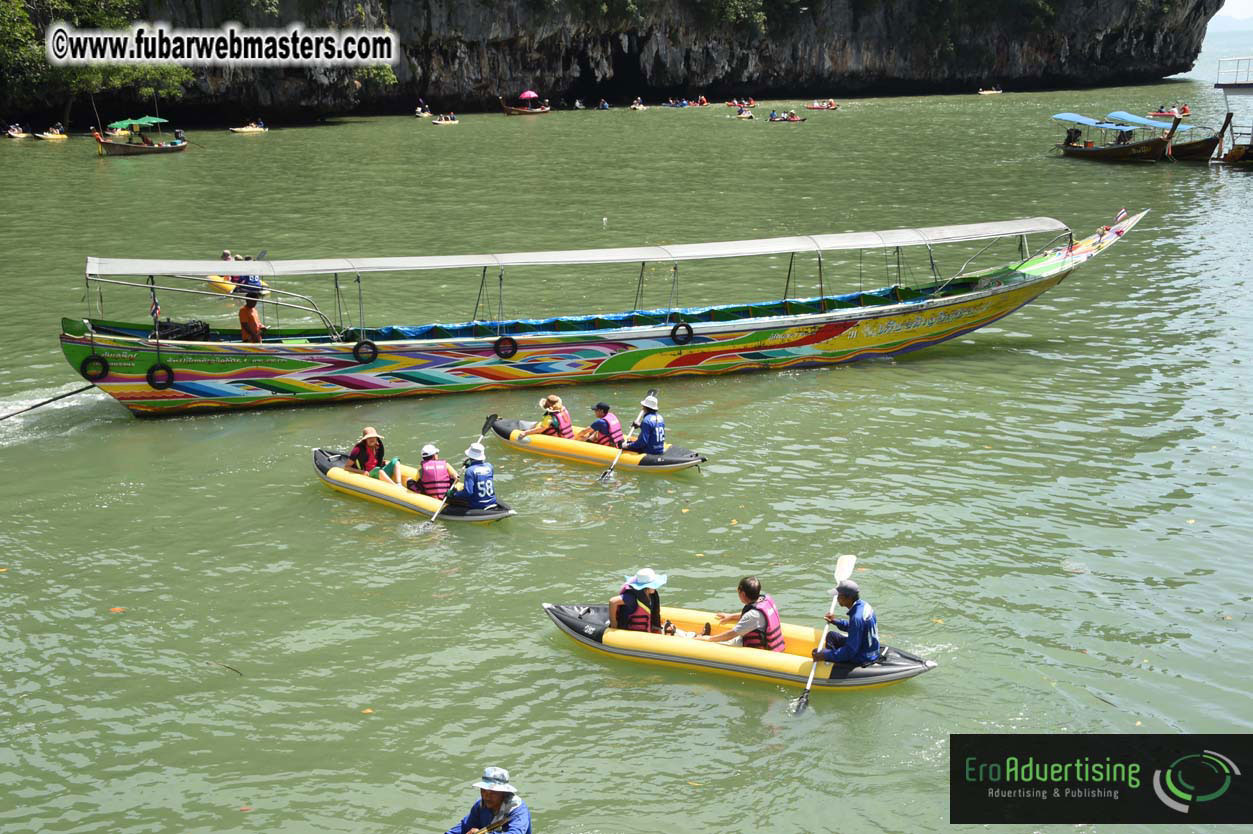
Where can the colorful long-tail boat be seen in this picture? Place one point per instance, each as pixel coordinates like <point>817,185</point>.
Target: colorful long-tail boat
<point>156,368</point>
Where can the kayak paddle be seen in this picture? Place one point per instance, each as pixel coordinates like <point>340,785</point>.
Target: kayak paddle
<point>843,570</point>
<point>487,424</point>
<point>604,476</point>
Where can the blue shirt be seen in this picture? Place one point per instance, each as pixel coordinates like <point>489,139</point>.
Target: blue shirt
<point>479,486</point>
<point>652,439</point>
<point>600,425</point>
<point>480,817</point>
<point>862,646</point>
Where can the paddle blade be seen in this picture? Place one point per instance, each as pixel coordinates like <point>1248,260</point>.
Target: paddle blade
<point>487,424</point>
<point>844,567</point>
<point>801,703</point>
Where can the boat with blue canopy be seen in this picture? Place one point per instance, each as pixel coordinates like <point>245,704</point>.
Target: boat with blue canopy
<point>1111,141</point>
<point>1193,142</point>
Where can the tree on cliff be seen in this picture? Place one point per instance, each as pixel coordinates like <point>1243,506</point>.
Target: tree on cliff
<point>28,81</point>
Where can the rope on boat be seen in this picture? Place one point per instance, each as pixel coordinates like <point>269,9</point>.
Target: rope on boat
<point>49,400</point>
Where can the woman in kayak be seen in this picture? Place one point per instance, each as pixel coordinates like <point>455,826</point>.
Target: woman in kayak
<point>637,607</point>
<point>556,420</point>
<point>369,458</point>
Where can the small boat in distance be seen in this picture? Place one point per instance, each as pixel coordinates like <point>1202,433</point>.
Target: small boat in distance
<point>321,358</point>
<point>1192,143</point>
<point>252,127</point>
<point>446,119</point>
<point>829,104</point>
<point>15,131</point>
<point>994,91</point>
<point>787,117</point>
<point>51,137</point>
<point>673,459</point>
<point>1167,112</point>
<point>137,144</point>
<point>530,97</point>
<point>1115,142</point>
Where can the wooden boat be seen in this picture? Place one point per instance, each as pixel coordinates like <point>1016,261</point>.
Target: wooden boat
<point>107,147</point>
<point>513,110</point>
<point>330,468</point>
<point>593,454</point>
<point>1191,143</point>
<point>588,625</point>
<point>1235,79</point>
<point>249,129</point>
<point>52,137</point>
<point>331,362</point>
<point>1115,142</point>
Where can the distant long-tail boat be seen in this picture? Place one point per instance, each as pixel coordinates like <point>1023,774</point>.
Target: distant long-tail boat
<point>1115,142</point>
<point>1193,143</point>
<point>175,369</point>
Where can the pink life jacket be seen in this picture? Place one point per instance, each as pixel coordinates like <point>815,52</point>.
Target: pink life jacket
<point>615,432</point>
<point>772,636</point>
<point>563,428</point>
<point>435,480</point>
<point>641,619</point>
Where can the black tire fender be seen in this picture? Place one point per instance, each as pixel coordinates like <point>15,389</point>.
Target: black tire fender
<point>681,333</point>
<point>365,351</point>
<point>94,368</point>
<point>161,376</point>
<point>506,347</point>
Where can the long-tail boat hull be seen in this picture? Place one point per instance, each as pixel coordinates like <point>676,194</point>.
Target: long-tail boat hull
<point>110,148</point>
<point>1150,150</point>
<point>157,378</point>
<point>512,110</point>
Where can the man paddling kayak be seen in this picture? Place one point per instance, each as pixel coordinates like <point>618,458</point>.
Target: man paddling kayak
<point>637,607</point>
<point>479,490</point>
<point>652,439</point>
<point>757,626</point>
<point>499,807</point>
<point>859,646</point>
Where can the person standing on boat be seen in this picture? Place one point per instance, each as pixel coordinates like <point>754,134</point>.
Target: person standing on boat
<point>757,626</point>
<point>605,429</point>
<point>435,476</point>
<point>857,641</point>
<point>652,439</point>
<point>250,325</point>
<point>479,489</point>
<point>637,607</point>
<point>370,458</point>
<point>499,805</point>
<point>556,420</point>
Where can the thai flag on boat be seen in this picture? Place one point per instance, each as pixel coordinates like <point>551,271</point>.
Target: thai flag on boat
<point>1122,215</point>
<point>155,310</point>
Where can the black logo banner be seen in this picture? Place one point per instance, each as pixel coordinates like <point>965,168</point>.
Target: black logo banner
<point>1101,778</point>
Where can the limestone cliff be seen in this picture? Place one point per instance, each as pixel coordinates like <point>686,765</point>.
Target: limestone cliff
<point>463,53</point>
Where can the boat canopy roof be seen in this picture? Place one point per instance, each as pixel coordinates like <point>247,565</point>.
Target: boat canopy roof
<point>1131,118</point>
<point>888,239</point>
<point>1075,118</point>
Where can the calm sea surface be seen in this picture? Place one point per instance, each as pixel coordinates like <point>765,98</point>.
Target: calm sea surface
<point>1054,509</point>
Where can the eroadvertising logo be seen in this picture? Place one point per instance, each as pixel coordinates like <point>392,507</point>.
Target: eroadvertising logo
<point>1100,778</point>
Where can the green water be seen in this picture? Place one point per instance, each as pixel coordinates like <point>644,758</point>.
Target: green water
<point>1052,509</point>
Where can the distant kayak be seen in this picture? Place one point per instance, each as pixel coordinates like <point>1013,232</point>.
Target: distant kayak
<point>330,468</point>
<point>249,129</point>
<point>51,137</point>
<point>592,454</point>
<point>588,625</point>
<point>787,120</point>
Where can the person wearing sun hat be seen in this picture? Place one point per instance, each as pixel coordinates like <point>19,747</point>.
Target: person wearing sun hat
<point>370,458</point>
<point>857,641</point>
<point>499,807</point>
<point>556,420</point>
<point>652,439</point>
<point>478,492</point>
<point>435,476</point>
<point>637,607</point>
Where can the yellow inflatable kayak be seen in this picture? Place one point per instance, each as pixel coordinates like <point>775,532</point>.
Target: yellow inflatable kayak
<point>593,454</point>
<point>224,285</point>
<point>588,625</point>
<point>51,137</point>
<point>330,468</point>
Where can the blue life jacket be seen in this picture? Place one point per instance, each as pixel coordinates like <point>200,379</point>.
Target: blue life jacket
<point>652,439</point>
<point>480,486</point>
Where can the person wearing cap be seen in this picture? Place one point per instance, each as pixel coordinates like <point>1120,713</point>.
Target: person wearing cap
<point>637,607</point>
<point>857,641</point>
<point>370,458</point>
<point>435,476</point>
<point>757,626</point>
<point>652,439</point>
<point>499,807</point>
<point>605,429</point>
<point>556,420</point>
<point>478,491</point>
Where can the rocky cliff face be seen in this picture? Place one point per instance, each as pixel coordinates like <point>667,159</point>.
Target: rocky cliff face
<point>463,53</point>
